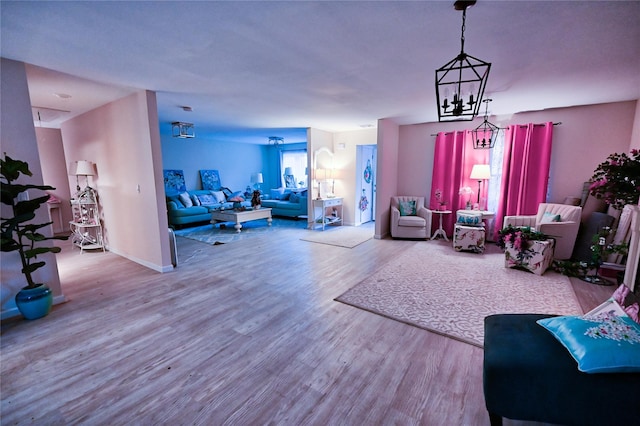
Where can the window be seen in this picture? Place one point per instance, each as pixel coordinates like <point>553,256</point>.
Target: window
<point>297,160</point>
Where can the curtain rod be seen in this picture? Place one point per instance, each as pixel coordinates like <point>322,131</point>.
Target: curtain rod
<point>521,125</point>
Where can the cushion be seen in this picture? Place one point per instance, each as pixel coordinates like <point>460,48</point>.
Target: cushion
<point>407,208</point>
<point>605,343</point>
<point>549,217</point>
<point>623,298</point>
<point>285,196</point>
<point>276,194</point>
<point>207,200</point>
<point>469,217</point>
<point>186,199</point>
<point>236,196</point>
<point>176,199</point>
<point>219,196</point>
<point>194,199</point>
<point>294,198</point>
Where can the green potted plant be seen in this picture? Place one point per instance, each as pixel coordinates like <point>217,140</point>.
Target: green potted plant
<point>617,180</point>
<point>18,234</point>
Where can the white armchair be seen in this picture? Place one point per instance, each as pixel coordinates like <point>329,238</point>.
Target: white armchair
<point>565,230</point>
<point>416,225</point>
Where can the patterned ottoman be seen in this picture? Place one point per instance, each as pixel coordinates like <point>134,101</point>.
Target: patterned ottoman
<point>536,257</point>
<point>470,238</point>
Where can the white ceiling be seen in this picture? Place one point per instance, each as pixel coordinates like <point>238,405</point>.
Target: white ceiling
<point>255,69</point>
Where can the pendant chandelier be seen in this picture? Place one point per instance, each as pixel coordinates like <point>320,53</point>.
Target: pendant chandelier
<point>484,136</point>
<point>182,130</point>
<point>460,82</point>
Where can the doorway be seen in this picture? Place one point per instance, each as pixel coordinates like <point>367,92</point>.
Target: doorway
<point>366,159</point>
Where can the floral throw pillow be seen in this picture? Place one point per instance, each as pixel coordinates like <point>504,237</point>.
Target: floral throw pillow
<point>407,208</point>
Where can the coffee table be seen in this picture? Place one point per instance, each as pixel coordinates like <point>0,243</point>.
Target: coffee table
<point>239,217</point>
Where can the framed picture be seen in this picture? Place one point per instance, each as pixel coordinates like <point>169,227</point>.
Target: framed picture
<point>289,181</point>
<point>174,181</point>
<point>210,180</point>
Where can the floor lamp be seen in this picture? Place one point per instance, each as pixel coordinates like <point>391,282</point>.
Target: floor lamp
<point>480,172</point>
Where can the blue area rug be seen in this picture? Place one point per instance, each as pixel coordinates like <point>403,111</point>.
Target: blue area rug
<point>223,233</point>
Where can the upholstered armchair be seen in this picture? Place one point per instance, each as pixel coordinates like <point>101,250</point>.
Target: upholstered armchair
<point>410,218</point>
<point>560,221</point>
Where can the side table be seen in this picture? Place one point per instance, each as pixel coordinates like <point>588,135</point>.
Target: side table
<point>323,204</point>
<point>440,230</point>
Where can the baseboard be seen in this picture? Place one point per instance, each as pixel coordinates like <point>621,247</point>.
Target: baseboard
<point>14,312</point>
<point>157,268</point>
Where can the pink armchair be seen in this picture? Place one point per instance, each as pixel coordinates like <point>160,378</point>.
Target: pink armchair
<point>408,225</point>
<point>560,221</point>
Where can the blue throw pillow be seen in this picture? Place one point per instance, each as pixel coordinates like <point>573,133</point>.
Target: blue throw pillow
<point>601,344</point>
<point>407,208</point>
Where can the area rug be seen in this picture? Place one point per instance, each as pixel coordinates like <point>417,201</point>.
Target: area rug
<point>341,236</point>
<point>438,289</point>
<point>227,234</point>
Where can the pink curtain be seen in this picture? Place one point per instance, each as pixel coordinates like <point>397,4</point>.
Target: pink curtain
<point>525,170</point>
<point>453,161</point>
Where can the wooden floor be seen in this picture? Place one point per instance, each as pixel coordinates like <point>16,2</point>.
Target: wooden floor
<point>241,334</point>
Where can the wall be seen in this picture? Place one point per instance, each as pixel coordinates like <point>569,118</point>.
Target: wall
<point>389,167</point>
<point>18,140</point>
<point>587,135</point>
<point>234,161</point>
<point>54,170</point>
<point>317,139</point>
<point>635,135</point>
<point>122,138</point>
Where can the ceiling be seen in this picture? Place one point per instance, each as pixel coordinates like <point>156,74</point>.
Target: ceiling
<point>250,70</point>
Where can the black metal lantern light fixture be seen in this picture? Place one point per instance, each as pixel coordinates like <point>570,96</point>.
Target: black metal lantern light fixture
<point>460,82</point>
<point>484,136</point>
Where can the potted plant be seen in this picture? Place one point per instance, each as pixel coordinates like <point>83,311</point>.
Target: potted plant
<point>617,180</point>
<point>18,234</point>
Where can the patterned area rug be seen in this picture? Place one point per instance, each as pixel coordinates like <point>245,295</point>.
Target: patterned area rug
<point>342,236</point>
<point>227,234</point>
<point>438,289</point>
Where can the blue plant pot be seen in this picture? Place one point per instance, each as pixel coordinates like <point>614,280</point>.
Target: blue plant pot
<point>34,303</point>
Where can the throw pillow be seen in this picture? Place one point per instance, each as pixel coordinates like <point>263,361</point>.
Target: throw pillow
<point>294,198</point>
<point>276,194</point>
<point>207,200</point>
<point>176,199</point>
<point>195,200</point>
<point>624,299</point>
<point>407,208</point>
<point>236,197</point>
<point>549,217</point>
<point>605,343</point>
<point>219,196</point>
<point>469,217</point>
<point>286,196</point>
<point>186,199</point>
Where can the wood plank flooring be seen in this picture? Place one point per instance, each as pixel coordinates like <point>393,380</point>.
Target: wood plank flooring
<point>245,333</point>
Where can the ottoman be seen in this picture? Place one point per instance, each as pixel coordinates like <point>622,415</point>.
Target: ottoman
<point>468,238</point>
<point>529,375</point>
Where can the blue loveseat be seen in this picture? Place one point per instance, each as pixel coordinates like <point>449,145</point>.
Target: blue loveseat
<point>284,202</point>
<point>200,205</point>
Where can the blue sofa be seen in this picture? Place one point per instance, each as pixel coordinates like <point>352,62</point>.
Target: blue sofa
<point>203,202</point>
<point>286,203</point>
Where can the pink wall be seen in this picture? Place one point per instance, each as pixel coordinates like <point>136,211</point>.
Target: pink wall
<point>389,167</point>
<point>588,134</point>
<point>54,170</point>
<point>18,140</point>
<point>123,140</point>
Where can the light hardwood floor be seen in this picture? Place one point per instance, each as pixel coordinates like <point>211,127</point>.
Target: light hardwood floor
<point>241,334</point>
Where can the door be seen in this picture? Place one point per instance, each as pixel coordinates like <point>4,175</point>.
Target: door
<point>366,182</point>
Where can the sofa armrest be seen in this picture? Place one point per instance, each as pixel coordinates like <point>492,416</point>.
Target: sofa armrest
<point>519,221</point>
<point>172,205</point>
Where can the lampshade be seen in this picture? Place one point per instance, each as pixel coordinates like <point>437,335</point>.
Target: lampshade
<point>256,178</point>
<point>320,174</point>
<point>84,168</point>
<point>480,172</point>
<point>288,171</point>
